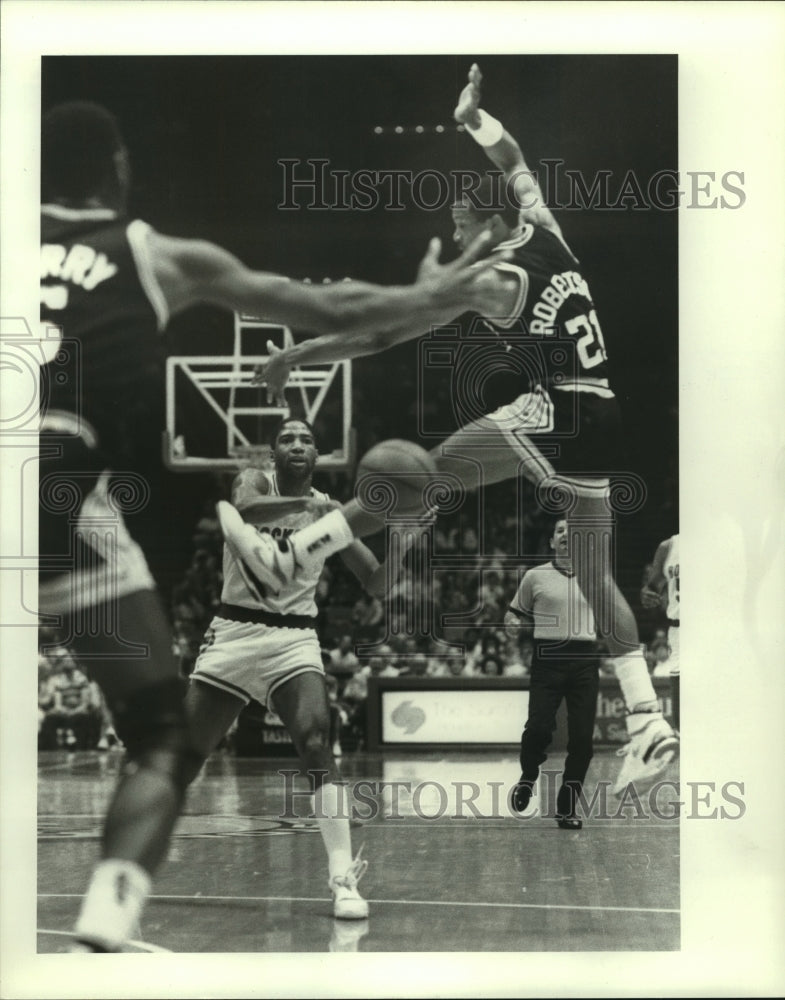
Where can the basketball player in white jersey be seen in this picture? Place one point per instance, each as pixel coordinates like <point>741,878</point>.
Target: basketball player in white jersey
<point>560,429</point>
<point>265,646</point>
<point>663,582</point>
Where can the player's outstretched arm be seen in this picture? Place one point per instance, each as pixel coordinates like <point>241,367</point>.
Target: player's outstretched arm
<point>251,496</point>
<point>189,272</point>
<point>407,325</point>
<point>504,152</point>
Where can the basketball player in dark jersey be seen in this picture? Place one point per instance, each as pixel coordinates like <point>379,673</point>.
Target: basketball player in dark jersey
<point>559,427</point>
<point>110,285</point>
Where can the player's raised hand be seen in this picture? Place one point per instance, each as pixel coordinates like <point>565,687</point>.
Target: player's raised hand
<point>469,102</point>
<point>455,283</point>
<point>275,375</point>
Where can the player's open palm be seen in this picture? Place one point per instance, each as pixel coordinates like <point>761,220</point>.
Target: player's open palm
<point>469,102</point>
<point>455,283</point>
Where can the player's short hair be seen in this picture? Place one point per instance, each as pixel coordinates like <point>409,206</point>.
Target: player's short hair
<point>491,198</point>
<point>293,420</point>
<point>78,142</point>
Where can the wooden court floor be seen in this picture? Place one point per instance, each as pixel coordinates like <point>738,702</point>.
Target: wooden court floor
<point>450,868</point>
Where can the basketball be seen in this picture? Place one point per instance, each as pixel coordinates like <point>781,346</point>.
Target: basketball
<point>394,473</point>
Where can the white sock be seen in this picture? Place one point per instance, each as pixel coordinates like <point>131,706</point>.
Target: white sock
<point>113,903</point>
<point>632,673</point>
<point>318,541</point>
<point>331,806</point>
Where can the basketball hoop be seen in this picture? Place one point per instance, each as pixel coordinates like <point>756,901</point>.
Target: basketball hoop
<point>226,405</point>
<point>253,456</point>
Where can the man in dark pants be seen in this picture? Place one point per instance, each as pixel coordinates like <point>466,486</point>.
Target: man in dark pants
<point>566,666</point>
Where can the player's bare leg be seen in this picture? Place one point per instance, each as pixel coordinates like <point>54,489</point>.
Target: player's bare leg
<point>653,743</point>
<point>210,713</point>
<point>144,696</point>
<point>301,703</point>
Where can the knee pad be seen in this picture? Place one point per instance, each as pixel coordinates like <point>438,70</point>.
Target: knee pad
<point>152,725</point>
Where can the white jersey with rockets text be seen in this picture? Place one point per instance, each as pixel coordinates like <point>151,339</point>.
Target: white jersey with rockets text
<point>297,597</point>
<point>671,572</point>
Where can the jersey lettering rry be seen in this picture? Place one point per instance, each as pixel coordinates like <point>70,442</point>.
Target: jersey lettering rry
<point>98,288</point>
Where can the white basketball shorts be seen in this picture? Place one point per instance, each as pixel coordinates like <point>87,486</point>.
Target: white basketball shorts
<point>250,660</point>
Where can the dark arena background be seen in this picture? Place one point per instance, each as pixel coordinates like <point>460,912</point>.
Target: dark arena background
<point>207,137</point>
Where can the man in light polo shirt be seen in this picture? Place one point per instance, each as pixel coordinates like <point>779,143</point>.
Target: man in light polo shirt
<point>549,602</point>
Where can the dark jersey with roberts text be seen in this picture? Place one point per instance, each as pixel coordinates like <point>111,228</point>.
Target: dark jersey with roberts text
<point>98,287</point>
<point>552,336</point>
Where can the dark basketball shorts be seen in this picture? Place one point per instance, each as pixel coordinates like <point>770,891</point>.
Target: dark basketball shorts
<point>574,434</point>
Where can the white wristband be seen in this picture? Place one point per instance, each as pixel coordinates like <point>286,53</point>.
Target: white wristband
<point>489,132</point>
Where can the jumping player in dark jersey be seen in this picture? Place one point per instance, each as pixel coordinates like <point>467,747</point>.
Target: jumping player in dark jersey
<point>560,427</point>
<point>110,285</point>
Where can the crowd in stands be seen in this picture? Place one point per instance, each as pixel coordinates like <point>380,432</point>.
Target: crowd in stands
<point>72,714</point>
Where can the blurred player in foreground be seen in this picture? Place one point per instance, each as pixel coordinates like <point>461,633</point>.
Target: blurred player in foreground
<point>111,285</point>
<point>538,305</point>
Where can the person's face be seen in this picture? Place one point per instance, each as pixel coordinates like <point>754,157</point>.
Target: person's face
<point>467,226</point>
<point>295,451</point>
<point>560,540</point>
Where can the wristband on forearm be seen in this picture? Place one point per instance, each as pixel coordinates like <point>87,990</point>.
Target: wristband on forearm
<point>489,131</point>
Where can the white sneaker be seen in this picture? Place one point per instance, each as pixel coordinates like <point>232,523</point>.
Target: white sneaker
<point>647,755</point>
<point>346,937</point>
<point>266,565</point>
<point>348,904</point>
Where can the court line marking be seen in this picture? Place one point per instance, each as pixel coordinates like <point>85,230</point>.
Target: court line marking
<point>377,824</point>
<point>402,902</point>
<point>141,945</point>
<point>543,826</point>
